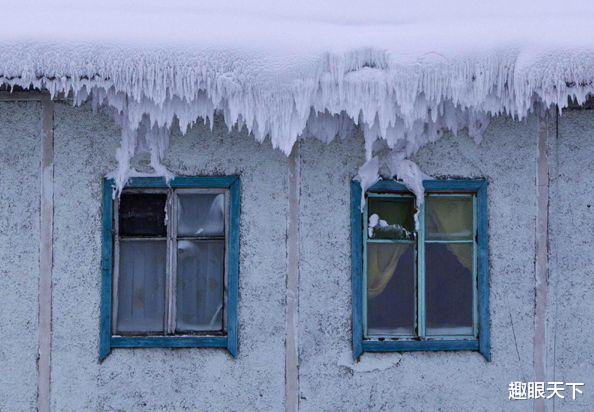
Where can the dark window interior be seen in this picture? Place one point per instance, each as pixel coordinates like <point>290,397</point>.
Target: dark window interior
<point>143,214</point>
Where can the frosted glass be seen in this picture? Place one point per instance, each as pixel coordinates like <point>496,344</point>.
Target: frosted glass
<point>200,277</point>
<point>200,214</point>
<point>141,286</point>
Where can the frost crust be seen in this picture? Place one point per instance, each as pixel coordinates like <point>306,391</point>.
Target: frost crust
<point>290,87</point>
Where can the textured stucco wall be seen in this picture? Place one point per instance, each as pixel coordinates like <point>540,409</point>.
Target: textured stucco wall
<point>171,379</point>
<point>418,381</point>
<point>19,252</point>
<point>570,328</point>
<point>208,379</point>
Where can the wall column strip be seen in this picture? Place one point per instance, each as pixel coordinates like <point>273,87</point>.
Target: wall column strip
<point>292,307</point>
<point>45,254</point>
<point>541,269</point>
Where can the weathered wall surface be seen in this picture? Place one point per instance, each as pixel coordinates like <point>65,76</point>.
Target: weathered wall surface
<point>570,328</point>
<point>208,379</point>
<point>168,379</point>
<point>330,380</point>
<point>19,252</point>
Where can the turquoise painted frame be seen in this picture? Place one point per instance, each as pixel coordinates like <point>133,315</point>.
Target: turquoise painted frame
<point>482,343</point>
<point>230,341</point>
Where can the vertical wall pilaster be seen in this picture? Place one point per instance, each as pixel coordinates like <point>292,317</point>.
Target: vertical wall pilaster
<point>292,307</point>
<point>541,262</point>
<point>45,254</point>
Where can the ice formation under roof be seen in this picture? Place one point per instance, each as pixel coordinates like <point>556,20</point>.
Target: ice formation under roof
<point>404,72</point>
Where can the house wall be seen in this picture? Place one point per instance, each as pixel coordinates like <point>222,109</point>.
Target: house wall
<point>570,311</point>
<point>20,155</point>
<point>418,380</point>
<point>329,379</point>
<point>169,379</point>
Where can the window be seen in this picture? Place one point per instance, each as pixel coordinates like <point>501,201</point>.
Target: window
<point>426,288</point>
<point>170,264</point>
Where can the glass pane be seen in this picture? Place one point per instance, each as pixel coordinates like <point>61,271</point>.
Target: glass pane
<point>141,286</point>
<point>448,218</point>
<point>391,218</point>
<point>200,214</point>
<point>390,289</point>
<point>448,289</point>
<point>143,214</point>
<point>200,277</point>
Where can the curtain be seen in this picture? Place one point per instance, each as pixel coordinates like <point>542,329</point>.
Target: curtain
<point>378,272</point>
<point>449,217</point>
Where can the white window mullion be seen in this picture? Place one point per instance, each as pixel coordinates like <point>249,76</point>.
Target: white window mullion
<point>173,263</point>
<point>170,272</point>
<point>421,273</point>
<point>475,314</point>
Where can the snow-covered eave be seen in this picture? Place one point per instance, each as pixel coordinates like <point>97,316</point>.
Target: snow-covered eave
<point>403,83</point>
<point>368,85</point>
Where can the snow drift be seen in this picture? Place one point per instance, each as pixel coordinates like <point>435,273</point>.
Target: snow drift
<point>405,73</point>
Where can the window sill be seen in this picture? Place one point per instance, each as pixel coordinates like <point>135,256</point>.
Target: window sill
<point>422,345</point>
<point>170,342</point>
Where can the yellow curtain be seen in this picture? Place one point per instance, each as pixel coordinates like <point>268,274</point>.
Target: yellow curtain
<point>380,271</point>
<point>449,219</point>
<point>381,268</point>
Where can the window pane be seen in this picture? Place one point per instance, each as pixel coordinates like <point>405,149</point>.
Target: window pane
<point>143,214</point>
<point>141,286</point>
<point>448,218</point>
<point>390,289</point>
<point>200,276</point>
<point>448,289</point>
<point>391,218</point>
<point>201,214</point>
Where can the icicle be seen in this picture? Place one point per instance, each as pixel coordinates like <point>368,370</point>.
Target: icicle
<point>404,106</point>
<point>368,175</point>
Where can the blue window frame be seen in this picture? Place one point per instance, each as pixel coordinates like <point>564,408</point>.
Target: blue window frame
<point>158,223</point>
<point>425,289</point>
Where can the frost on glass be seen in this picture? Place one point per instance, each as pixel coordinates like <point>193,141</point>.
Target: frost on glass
<point>448,289</point>
<point>200,277</point>
<point>391,218</point>
<point>142,214</point>
<point>390,289</point>
<point>141,286</point>
<point>448,218</point>
<point>201,214</point>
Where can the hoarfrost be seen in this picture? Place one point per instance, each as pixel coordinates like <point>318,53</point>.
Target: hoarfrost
<point>371,362</point>
<point>375,223</point>
<point>403,73</point>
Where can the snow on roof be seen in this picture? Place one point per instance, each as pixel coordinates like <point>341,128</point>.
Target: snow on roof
<point>404,71</point>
